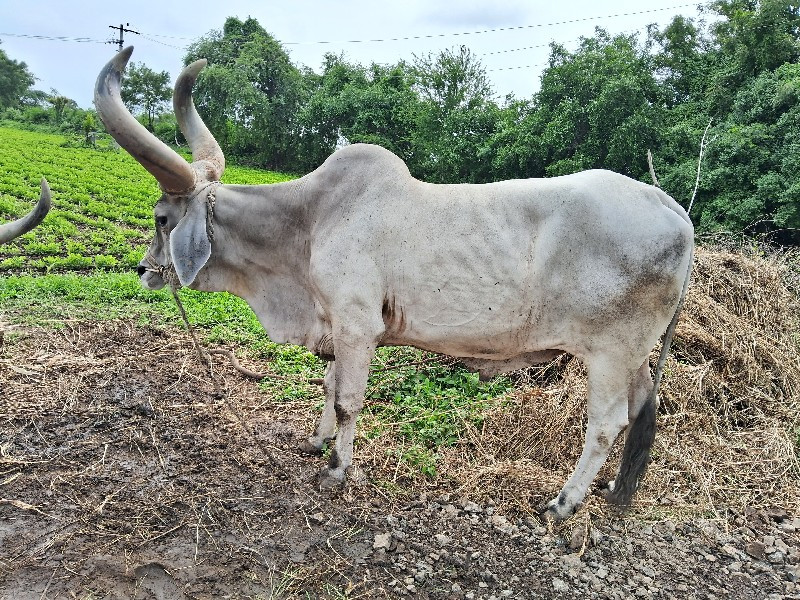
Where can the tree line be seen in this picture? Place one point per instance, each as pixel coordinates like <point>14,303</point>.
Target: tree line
<point>602,105</point>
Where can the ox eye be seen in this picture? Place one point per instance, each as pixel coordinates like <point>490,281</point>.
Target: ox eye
<point>161,221</point>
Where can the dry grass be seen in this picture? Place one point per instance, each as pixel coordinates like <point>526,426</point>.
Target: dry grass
<point>729,419</point>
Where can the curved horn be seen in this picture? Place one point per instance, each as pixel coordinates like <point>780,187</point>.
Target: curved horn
<point>171,171</point>
<point>205,148</point>
<point>9,231</point>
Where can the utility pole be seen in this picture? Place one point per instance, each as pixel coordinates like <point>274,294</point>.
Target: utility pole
<point>122,30</point>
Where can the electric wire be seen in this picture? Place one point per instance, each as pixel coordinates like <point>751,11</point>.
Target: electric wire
<point>494,30</point>
<point>57,38</point>
<point>151,37</point>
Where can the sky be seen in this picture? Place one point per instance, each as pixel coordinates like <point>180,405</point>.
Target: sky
<point>510,37</point>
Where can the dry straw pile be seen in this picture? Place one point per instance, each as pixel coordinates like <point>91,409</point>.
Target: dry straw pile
<point>729,420</point>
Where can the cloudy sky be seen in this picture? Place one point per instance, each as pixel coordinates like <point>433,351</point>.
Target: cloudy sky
<point>509,36</point>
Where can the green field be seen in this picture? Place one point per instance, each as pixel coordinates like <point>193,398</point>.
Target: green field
<point>103,201</point>
<point>79,265</point>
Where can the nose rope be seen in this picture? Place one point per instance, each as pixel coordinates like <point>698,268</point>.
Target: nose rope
<point>170,277</point>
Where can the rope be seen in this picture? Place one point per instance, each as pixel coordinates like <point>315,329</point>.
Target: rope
<point>211,201</point>
<point>221,392</point>
<point>235,363</point>
<point>170,277</point>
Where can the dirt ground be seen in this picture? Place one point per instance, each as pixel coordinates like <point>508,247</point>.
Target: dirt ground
<point>125,473</point>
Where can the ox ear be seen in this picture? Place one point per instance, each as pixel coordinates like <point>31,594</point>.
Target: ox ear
<point>189,244</point>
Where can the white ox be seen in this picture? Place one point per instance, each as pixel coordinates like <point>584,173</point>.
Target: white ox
<point>14,229</point>
<point>360,254</point>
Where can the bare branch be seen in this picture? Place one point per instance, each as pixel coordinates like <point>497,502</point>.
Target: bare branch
<point>652,170</point>
<point>703,144</point>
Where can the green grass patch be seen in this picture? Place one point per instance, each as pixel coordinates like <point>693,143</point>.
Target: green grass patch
<point>427,401</point>
<point>103,295</point>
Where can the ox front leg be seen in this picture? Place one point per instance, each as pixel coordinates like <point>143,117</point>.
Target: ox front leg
<point>607,416</point>
<point>353,357</point>
<point>326,426</point>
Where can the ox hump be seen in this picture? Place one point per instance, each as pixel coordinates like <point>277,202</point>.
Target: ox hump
<point>365,160</point>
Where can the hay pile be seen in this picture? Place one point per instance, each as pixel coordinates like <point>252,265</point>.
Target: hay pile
<point>729,422</point>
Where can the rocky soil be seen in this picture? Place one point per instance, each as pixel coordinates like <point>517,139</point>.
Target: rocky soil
<point>441,548</point>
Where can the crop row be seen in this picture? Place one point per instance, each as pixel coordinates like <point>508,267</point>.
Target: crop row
<point>102,203</point>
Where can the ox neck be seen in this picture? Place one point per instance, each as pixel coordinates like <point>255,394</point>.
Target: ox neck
<point>258,230</point>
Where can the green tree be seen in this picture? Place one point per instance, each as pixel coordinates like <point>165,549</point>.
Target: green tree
<point>249,94</point>
<point>517,150</point>
<point>60,103</point>
<point>349,103</point>
<point>598,107</point>
<point>742,72</point>
<point>89,126</point>
<point>682,63</point>
<point>456,120</point>
<point>329,109</point>
<point>34,98</point>
<point>754,36</point>
<point>146,92</point>
<point>752,180</point>
<point>452,79</point>
<point>15,80</point>
<point>384,111</point>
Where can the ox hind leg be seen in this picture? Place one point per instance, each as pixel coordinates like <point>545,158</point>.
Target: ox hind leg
<point>609,384</point>
<point>325,430</point>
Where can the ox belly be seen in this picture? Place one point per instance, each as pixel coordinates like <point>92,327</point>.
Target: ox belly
<point>489,319</point>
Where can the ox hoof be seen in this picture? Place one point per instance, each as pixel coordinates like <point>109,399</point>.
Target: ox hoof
<point>558,509</point>
<point>309,447</point>
<point>331,479</point>
<point>606,491</point>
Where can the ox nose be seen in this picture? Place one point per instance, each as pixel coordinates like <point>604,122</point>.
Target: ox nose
<point>141,270</point>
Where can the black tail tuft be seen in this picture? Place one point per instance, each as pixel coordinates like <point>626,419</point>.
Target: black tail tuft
<point>636,454</point>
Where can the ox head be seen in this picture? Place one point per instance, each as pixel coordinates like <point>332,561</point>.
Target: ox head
<point>181,240</point>
<point>12,230</point>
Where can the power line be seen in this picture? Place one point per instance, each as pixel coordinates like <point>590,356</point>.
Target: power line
<point>516,49</point>
<point>578,39</point>
<point>462,33</point>
<point>146,37</point>
<point>172,37</point>
<point>497,29</point>
<point>516,68</point>
<point>56,38</point>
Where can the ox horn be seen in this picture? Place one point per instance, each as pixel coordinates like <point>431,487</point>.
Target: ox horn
<point>9,231</point>
<point>205,149</point>
<point>172,172</point>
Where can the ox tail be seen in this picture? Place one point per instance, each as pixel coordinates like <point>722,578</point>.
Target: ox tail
<point>642,432</point>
